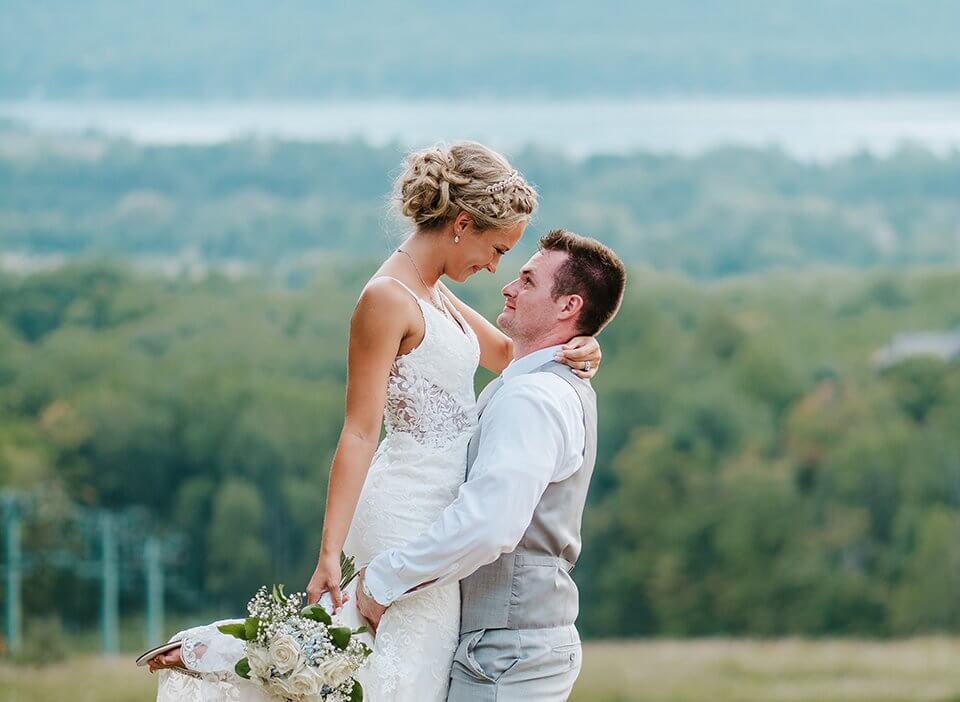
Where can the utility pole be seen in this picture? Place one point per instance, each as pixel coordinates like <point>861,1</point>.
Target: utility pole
<point>13,572</point>
<point>153,561</point>
<point>109,604</point>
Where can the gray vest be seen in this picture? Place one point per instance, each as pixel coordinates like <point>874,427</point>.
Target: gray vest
<point>531,587</point>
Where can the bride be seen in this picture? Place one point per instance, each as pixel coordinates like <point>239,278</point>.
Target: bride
<point>414,349</point>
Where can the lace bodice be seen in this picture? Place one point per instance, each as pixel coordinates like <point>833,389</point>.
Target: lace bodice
<point>430,415</point>
<point>430,390</point>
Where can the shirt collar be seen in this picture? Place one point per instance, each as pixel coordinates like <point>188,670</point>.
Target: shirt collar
<point>533,360</point>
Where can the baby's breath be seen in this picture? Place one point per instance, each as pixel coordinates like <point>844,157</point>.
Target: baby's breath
<point>280,616</point>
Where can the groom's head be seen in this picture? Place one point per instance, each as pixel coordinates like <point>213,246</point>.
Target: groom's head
<point>572,286</point>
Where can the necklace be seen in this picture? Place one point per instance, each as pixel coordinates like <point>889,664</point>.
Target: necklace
<point>431,291</point>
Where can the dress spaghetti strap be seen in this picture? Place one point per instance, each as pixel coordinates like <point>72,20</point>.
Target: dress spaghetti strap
<point>401,284</point>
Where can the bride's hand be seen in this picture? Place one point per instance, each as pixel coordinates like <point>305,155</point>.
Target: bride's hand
<point>326,578</point>
<point>582,354</point>
<point>170,659</point>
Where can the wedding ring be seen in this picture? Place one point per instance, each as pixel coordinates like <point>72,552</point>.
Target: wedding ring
<point>587,366</point>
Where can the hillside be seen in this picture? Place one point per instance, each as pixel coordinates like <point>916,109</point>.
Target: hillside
<point>756,475</point>
<point>275,203</point>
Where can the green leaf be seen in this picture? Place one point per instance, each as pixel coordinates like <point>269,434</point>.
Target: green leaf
<point>340,635</point>
<point>360,629</point>
<point>242,668</point>
<point>251,626</point>
<point>316,613</point>
<point>238,630</point>
<point>278,595</point>
<point>356,693</point>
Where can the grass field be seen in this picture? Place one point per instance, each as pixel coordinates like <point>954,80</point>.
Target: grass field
<point>918,670</point>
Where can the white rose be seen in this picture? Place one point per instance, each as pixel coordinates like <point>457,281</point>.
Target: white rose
<point>335,671</point>
<point>280,687</point>
<point>304,682</point>
<point>259,660</point>
<point>285,653</point>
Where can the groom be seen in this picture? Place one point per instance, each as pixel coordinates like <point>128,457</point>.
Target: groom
<point>513,533</point>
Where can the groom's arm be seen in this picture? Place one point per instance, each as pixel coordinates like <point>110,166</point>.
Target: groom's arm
<point>526,435</point>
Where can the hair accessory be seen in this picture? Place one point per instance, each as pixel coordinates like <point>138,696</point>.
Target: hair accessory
<point>501,185</point>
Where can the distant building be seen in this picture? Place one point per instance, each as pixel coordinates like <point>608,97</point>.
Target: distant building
<point>942,345</point>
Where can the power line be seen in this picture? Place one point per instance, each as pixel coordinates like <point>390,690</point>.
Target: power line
<point>118,548</point>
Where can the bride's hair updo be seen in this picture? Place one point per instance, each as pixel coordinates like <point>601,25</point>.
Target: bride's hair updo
<point>440,181</point>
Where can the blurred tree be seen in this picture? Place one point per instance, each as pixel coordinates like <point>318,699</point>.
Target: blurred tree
<point>926,598</point>
<point>918,385</point>
<point>740,488</point>
<point>237,558</point>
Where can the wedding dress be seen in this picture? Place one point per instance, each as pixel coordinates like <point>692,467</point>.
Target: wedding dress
<point>430,415</point>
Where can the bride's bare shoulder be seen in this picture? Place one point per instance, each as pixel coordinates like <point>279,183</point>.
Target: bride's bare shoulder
<point>384,297</point>
<point>387,316</point>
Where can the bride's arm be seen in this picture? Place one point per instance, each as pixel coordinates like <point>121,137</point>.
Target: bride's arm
<point>496,348</point>
<point>203,649</point>
<point>379,325</point>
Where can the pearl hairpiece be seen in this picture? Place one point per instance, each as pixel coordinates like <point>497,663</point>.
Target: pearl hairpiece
<point>501,185</point>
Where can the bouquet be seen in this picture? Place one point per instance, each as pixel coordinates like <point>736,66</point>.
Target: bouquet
<point>297,653</point>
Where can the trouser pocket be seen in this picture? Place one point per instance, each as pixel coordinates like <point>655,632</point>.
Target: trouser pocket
<point>488,654</point>
<point>568,656</point>
<point>548,654</point>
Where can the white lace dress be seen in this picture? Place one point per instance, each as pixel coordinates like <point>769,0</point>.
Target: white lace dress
<point>430,416</point>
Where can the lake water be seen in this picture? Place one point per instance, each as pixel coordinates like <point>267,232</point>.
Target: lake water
<point>807,128</point>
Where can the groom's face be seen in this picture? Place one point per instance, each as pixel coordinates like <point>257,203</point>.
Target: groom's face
<point>529,310</point>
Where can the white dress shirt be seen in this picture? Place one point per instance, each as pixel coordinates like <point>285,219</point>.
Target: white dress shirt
<point>532,435</point>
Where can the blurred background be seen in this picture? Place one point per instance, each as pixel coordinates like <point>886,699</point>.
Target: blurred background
<point>193,194</point>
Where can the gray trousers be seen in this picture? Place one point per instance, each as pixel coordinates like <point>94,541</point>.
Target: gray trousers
<point>508,665</point>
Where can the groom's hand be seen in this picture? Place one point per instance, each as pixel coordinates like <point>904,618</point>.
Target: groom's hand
<point>371,610</point>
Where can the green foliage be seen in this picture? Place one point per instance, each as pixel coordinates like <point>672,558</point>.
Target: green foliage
<point>316,613</point>
<point>356,692</point>
<point>340,636</point>
<point>251,625</point>
<point>918,385</point>
<point>720,334</point>
<point>237,630</point>
<point>45,643</point>
<point>236,554</point>
<point>926,598</point>
<point>282,206</point>
<point>756,474</point>
<point>86,296</point>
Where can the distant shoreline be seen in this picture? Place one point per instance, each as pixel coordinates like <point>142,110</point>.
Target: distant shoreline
<point>808,128</point>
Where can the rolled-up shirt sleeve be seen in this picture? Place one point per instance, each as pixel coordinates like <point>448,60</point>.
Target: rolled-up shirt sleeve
<point>523,439</point>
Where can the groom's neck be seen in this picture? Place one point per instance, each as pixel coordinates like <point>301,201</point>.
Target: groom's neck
<point>523,348</point>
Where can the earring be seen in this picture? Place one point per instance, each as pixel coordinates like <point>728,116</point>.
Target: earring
<point>456,239</point>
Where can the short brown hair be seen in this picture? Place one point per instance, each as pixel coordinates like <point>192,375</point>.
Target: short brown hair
<point>592,271</point>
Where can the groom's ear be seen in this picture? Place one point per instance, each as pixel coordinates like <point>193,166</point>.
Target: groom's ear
<point>572,304</point>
